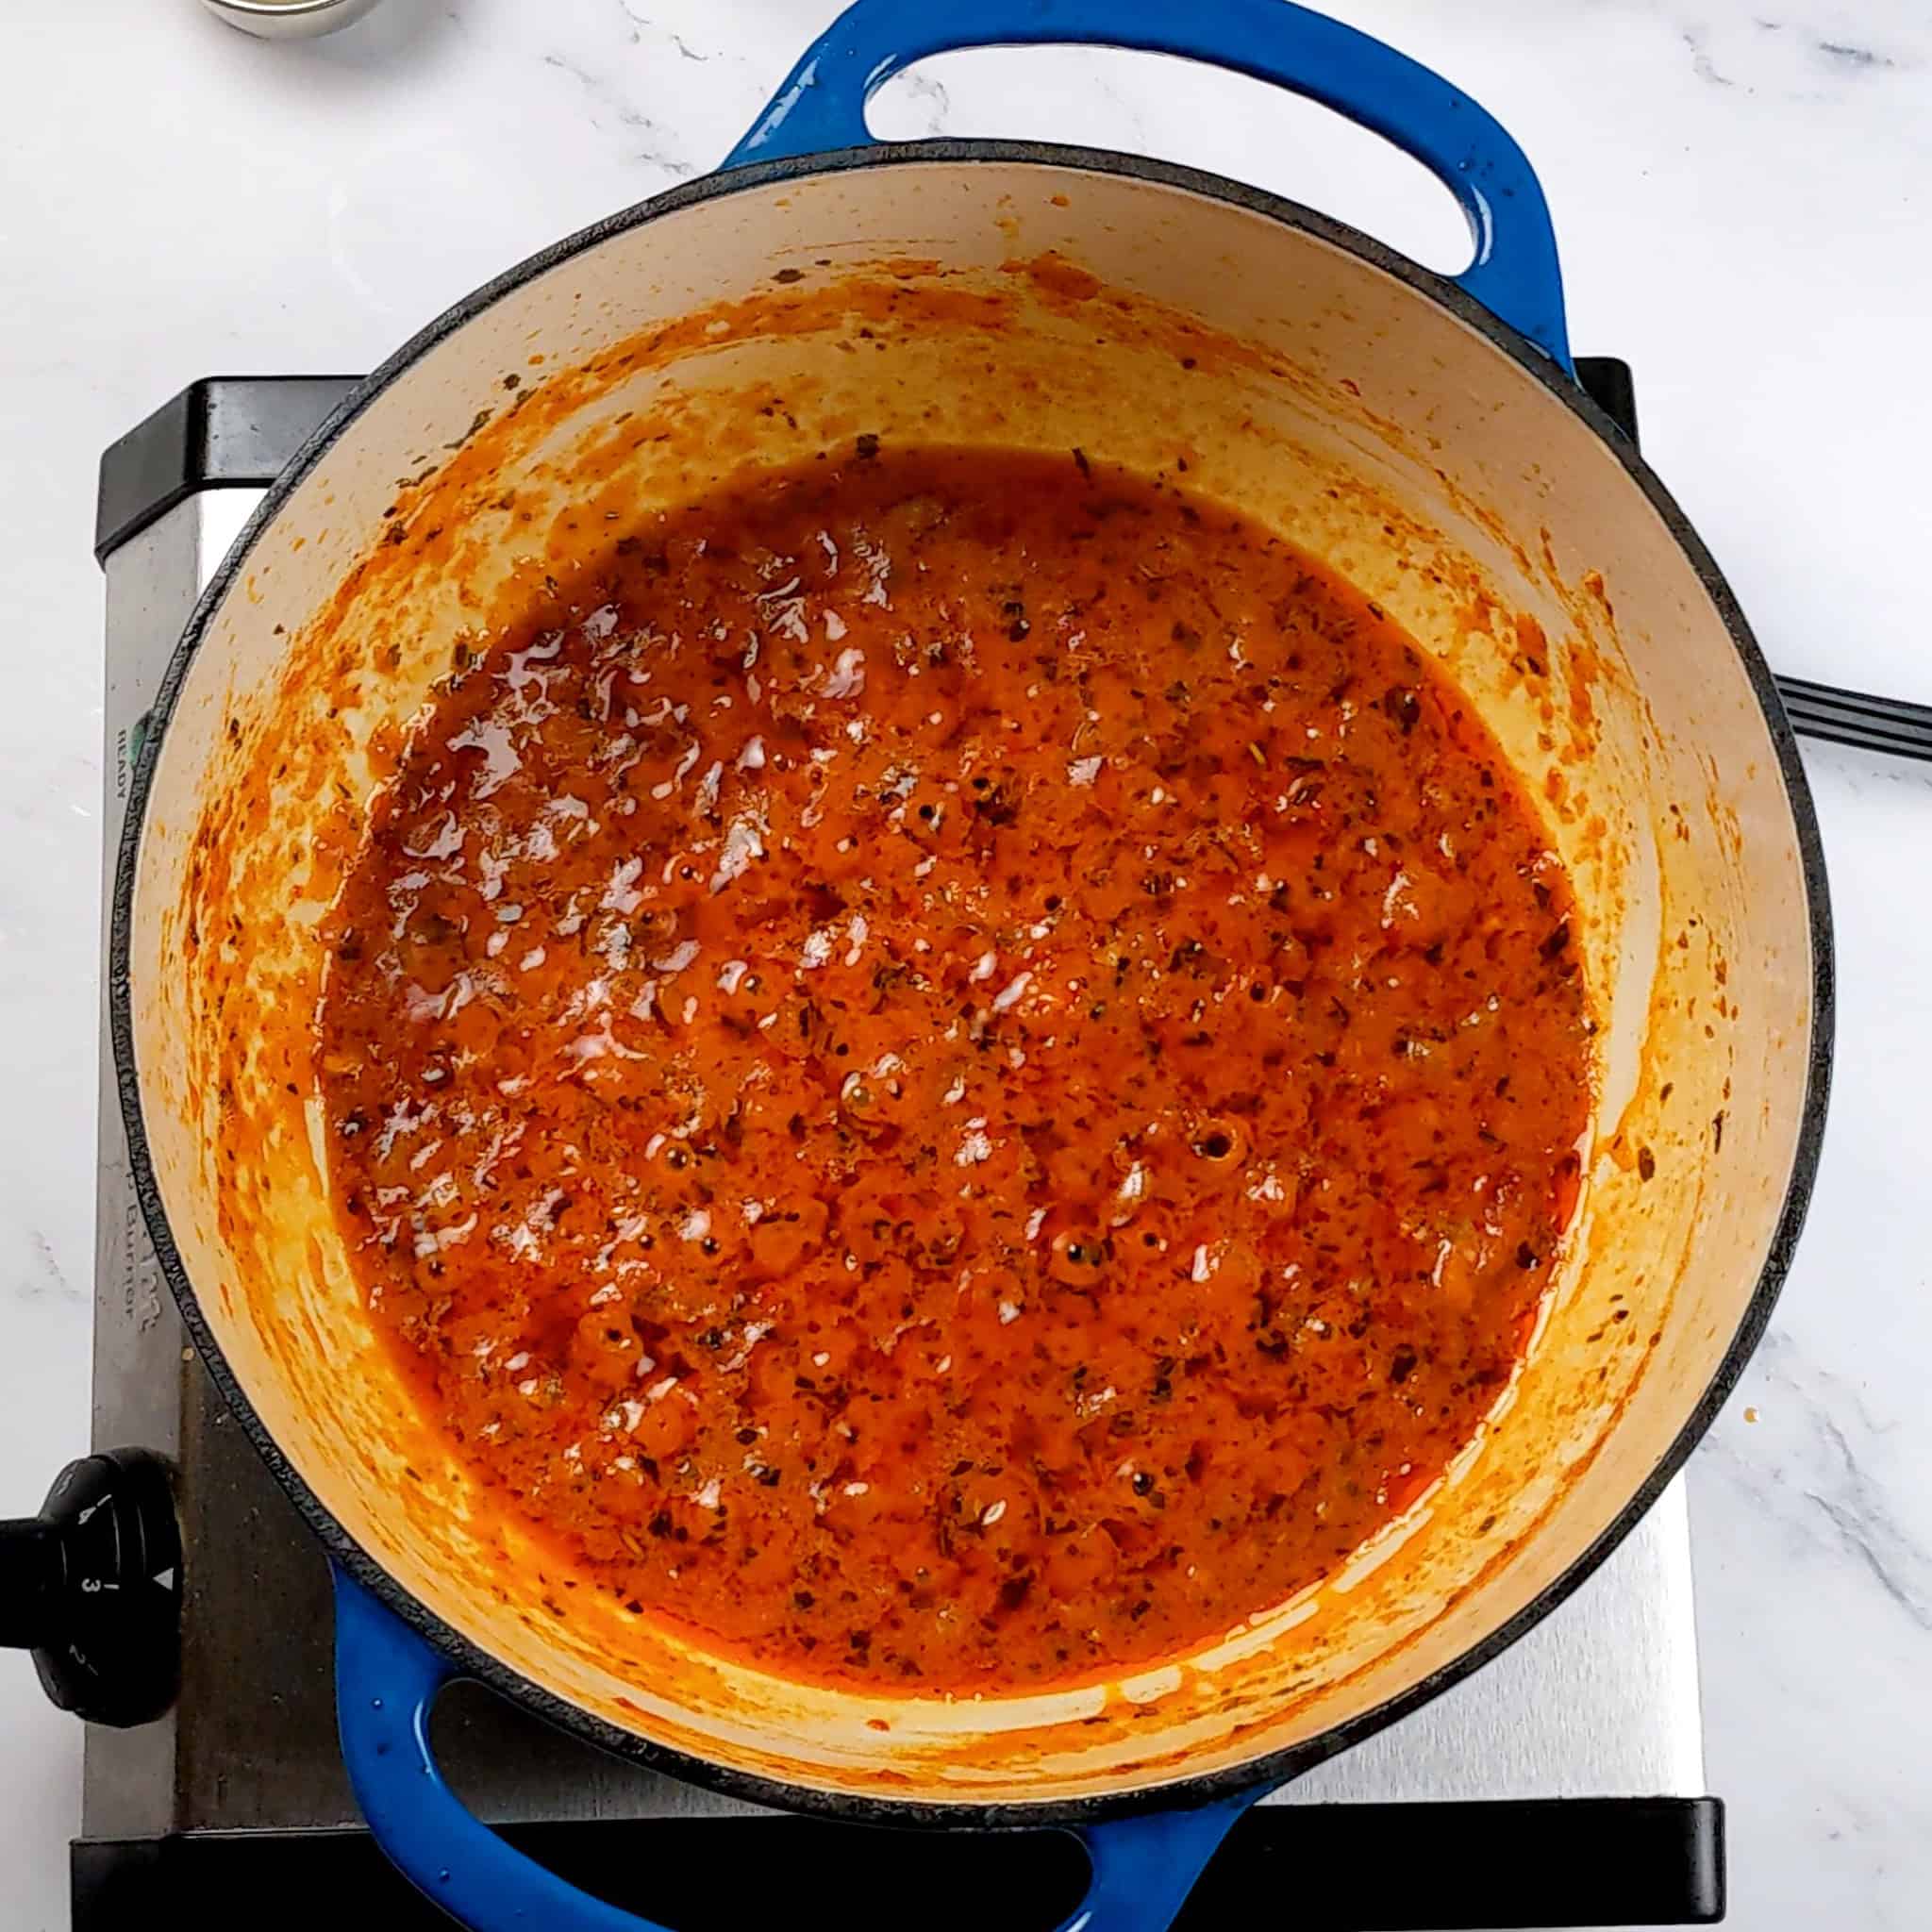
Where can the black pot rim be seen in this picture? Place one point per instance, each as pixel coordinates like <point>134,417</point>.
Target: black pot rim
<point>1185,1791</point>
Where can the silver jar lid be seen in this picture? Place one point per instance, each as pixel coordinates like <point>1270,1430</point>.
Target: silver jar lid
<point>289,20</point>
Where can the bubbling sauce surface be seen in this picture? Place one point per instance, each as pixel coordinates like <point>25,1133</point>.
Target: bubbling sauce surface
<point>955,1072</point>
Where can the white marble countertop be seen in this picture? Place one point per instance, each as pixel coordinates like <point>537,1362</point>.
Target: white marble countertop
<point>1744,192</point>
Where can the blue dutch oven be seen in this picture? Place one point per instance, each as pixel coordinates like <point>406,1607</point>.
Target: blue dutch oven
<point>1425,433</point>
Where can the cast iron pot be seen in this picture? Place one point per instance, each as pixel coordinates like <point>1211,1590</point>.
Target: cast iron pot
<point>1426,435</point>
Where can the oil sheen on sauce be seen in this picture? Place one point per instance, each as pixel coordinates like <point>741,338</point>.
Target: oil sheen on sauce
<point>955,1071</point>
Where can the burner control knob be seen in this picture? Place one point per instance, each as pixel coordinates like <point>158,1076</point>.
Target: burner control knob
<point>92,1587</point>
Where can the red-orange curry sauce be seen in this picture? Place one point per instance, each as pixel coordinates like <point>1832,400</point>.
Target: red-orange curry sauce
<point>957,1072</point>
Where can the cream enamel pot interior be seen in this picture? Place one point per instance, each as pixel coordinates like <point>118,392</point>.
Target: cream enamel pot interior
<point>1053,298</point>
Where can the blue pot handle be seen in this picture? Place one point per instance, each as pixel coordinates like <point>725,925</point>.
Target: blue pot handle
<point>387,1681</point>
<point>1514,276</point>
